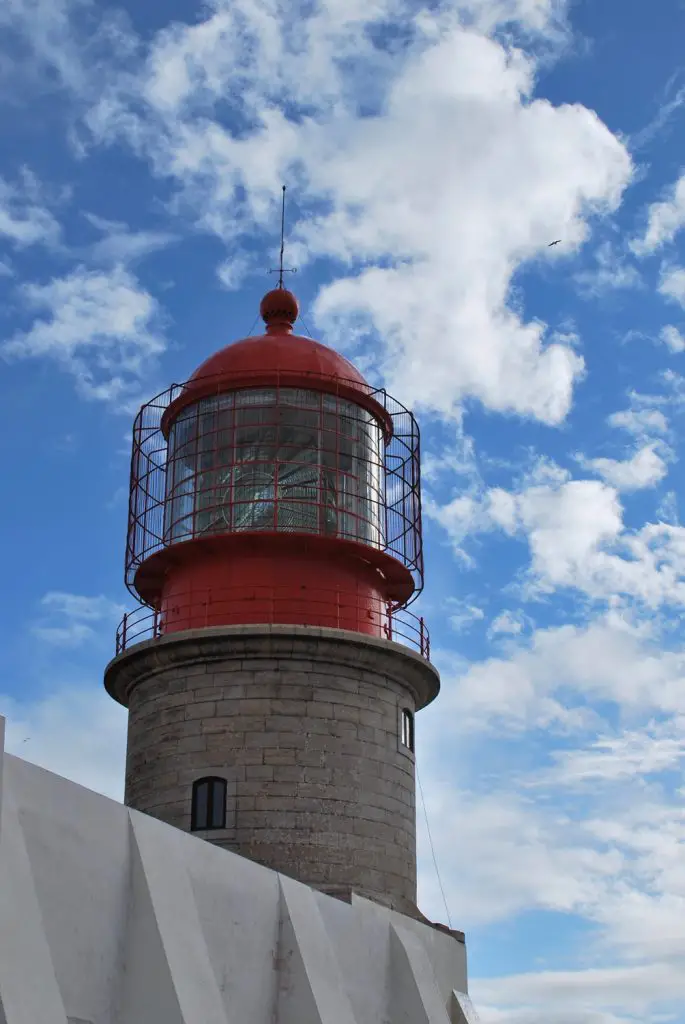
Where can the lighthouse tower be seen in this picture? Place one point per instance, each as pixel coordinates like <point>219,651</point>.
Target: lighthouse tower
<point>273,671</point>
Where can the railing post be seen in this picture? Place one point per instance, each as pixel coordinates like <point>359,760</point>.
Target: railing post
<point>123,633</point>
<point>422,637</point>
<point>388,610</point>
<point>155,624</point>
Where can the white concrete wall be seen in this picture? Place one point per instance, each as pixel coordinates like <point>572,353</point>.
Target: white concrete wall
<point>108,916</point>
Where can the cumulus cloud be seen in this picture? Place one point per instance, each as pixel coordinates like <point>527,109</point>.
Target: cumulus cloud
<point>464,615</point>
<point>69,620</point>
<point>76,731</point>
<point>672,284</point>
<point>24,220</point>
<point>99,325</point>
<point>430,202</point>
<point>508,624</point>
<point>657,748</point>
<point>645,468</point>
<point>66,44</point>
<point>599,995</point>
<point>595,834</point>
<point>672,338</point>
<point>640,420</point>
<point>119,245</point>
<point>557,675</point>
<point>611,273</point>
<point>664,220</point>
<point>577,539</point>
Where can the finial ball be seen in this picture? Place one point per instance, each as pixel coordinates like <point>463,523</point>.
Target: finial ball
<point>279,306</point>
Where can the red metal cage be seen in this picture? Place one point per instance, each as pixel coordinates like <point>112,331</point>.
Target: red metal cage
<point>277,459</point>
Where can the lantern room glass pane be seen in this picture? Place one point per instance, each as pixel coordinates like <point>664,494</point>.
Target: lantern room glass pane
<point>287,460</point>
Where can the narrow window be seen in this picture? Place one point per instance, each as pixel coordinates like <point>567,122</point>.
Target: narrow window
<point>407,729</point>
<point>208,808</point>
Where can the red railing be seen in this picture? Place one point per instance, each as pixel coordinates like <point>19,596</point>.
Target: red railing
<point>335,610</point>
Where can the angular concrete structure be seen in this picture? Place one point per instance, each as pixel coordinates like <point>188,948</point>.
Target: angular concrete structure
<point>108,916</point>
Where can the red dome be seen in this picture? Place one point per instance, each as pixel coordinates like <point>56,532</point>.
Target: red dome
<point>278,358</point>
<point>277,354</point>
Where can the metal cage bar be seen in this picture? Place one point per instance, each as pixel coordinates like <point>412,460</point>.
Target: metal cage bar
<point>376,498</point>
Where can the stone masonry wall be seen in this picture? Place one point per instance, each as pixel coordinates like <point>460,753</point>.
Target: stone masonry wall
<point>305,726</point>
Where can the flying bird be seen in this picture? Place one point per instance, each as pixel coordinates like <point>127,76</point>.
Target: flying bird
<point>554,243</point>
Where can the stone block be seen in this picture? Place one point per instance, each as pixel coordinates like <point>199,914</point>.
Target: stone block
<point>289,708</point>
<point>205,709</point>
<point>258,739</point>
<point>254,706</point>
<point>345,713</point>
<point>319,709</point>
<point>277,756</point>
<point>203,693</point>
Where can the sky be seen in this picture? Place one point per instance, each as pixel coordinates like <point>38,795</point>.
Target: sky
<point>432,153</point>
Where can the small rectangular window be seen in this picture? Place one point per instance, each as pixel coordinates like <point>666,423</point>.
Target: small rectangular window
<point>407,729</point>
<point>208,807</point>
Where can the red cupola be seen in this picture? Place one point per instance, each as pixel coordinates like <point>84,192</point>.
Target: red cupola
<point>275,486</point>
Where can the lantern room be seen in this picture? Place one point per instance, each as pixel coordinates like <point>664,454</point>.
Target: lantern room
<point>275,486</point>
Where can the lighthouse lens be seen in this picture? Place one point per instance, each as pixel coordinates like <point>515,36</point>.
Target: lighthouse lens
<point>286,460</point>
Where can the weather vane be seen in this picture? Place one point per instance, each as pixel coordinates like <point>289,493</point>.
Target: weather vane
<point>281,269</point>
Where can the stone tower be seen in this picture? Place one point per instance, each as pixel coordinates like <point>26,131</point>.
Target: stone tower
<point>272,673</point>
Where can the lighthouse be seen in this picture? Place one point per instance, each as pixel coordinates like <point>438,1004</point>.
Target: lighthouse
<point>263,866</point>
<point>273,671</point>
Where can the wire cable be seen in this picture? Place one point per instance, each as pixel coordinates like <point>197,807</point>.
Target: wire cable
<point>304,324</point>
<point>254,324</point>
<point>430,840</point>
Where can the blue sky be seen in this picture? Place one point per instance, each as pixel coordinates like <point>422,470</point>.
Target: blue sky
<point>432,153</point>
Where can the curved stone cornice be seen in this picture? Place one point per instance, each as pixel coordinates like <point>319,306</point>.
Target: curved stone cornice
<point>223,643</point>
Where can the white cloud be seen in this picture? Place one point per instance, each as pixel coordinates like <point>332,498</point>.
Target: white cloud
<point>99,325</point>
<point>672,338</point>
<point>657,748</point>
<point>630,994</point>
<point>566,526</point>
<point>6,269</point>
<point>78,732</point>
<point>596,835</point>
<point>63,43</point>
<point>667,510</point>
<point>119,245</point>
<point>68,619</point>
<point>664,220</point>
<point>558,674</point>
<point>232,272</point>
<point>507,623</point>
<point>610,274</point>
<point>672,284</point>
<point>577,539</point>
<point>432,201</point>
<point>464,614</point>
<point>645,468</point>
<point>23,220</point>
<point>640,421</point>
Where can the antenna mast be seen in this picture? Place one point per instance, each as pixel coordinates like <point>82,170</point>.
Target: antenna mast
<point>281,269</point>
